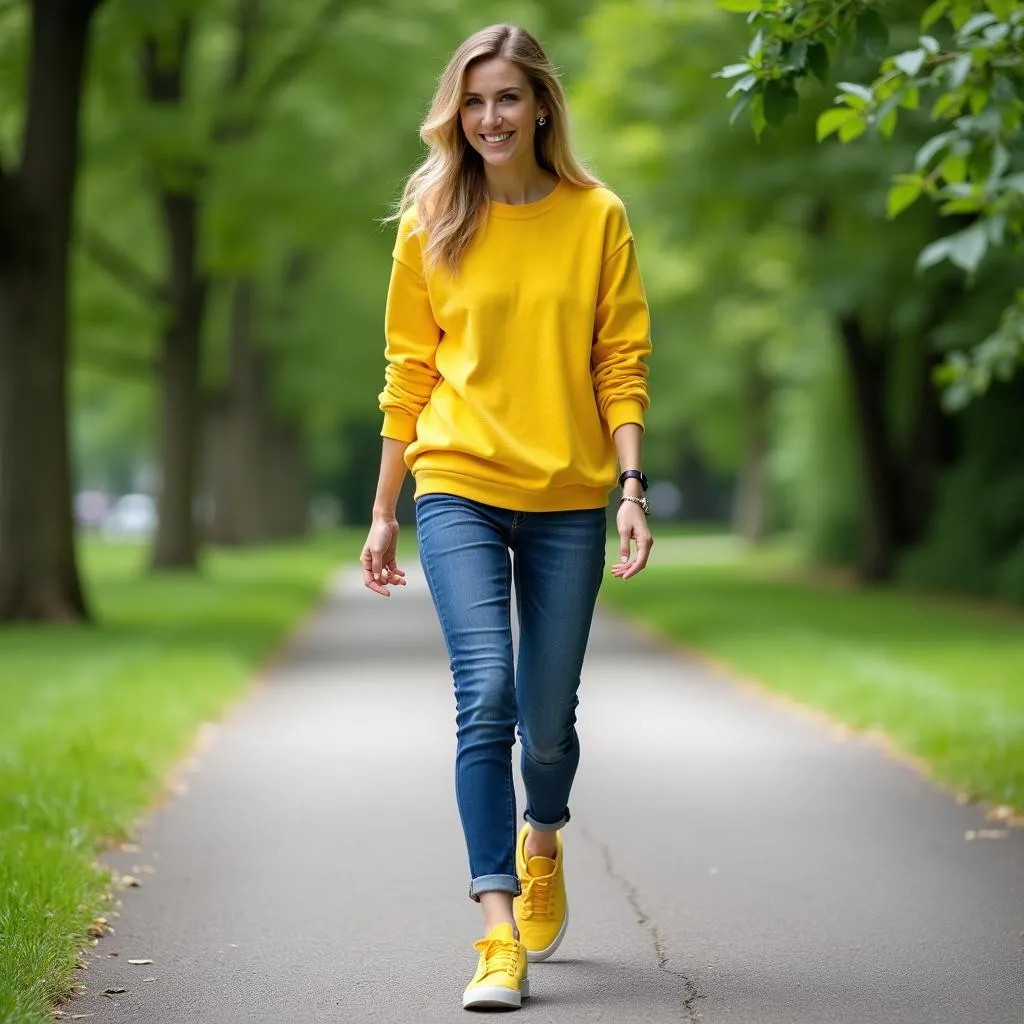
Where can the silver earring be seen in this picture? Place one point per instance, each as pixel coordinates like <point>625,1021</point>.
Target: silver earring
<point>542,121</point>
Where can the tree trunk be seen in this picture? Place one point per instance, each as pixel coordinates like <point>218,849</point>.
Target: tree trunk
<point>749,519</point>
<point>176,544</point>
<point>237,461</point>
<point>176,540</point>
<point>38,571</point>
<point>879,492</point>
<point>287,491</point>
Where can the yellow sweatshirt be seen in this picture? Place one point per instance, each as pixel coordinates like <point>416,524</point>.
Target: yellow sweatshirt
<point>510,377</point>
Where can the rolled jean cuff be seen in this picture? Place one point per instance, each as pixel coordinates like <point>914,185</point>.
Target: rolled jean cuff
<point>540,826</point>
<point>494,883</point>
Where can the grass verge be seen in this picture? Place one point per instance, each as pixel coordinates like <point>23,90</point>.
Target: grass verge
<point>943,680</point>
<point>96,716</point>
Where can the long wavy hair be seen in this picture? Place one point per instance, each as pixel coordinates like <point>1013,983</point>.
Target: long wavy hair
<point>449,189</point>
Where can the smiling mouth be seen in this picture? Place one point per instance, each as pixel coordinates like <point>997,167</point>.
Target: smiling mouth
<point>496,140</point>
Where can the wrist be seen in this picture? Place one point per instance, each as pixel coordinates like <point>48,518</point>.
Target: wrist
<point>383,514</point>
<point>633,488</point>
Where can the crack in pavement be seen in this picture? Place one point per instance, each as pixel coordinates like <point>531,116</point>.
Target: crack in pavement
<point>690,990</point>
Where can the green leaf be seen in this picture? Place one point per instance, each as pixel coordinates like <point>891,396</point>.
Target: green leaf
<point>934,11</point>
<point>967,248</point>
<point>954,168</point>
<point>780,100</point>
<point>732,70</point>
<point>948,105</point>
<point>978,22</point>
<point>1014,182</point>
<point>858,96</point>
<point>930,44</point>
<point>900,197</point>
<point>959,206</point>
<point>911,98</point>
<point>739,6</point>
<point>887,122</point>
<point>757,118</point>
<point>1002,9</point>
<point>932,254</point>
<point>958,70</point>
<point>818,61</point>
<point>852,129</point>
<point>872,33</point>
<point>930,149</point>
<point>910,61</point>
<point>744,84</point>
<point>833,119</point>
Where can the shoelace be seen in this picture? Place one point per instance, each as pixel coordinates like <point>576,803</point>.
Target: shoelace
<point>499,955</point>
<point>536,897</point>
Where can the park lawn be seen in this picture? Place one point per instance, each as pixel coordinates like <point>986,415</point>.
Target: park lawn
<point>943,679</point>
<point>94,717</point>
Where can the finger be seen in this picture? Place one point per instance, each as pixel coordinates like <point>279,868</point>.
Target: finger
<point>644,543</point>
<point>376,562</point>
<point>624,545</point>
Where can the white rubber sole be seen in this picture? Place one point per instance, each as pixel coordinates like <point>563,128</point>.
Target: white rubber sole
<point>494,997</point>
<point>542,954</point>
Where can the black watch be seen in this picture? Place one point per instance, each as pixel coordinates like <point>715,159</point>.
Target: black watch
<point>634,474</point>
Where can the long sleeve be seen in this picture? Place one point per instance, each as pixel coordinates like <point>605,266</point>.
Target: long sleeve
<point>412,338</point>
<point>621,340</point>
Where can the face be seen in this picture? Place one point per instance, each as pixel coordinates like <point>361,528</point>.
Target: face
<point>499,112</point>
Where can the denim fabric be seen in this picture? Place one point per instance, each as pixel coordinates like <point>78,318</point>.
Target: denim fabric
<point>471,554</point>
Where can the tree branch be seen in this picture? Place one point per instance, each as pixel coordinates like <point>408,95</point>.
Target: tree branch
<point>291,63</point>
<point>120,266</point>
<point>246,21</point>
<point>235,126</point>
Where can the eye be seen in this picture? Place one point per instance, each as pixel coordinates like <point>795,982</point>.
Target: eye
<point>472,100</point>
<point>511,97</point>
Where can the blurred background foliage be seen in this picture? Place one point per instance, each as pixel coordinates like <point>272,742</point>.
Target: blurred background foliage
<point>238,161</point>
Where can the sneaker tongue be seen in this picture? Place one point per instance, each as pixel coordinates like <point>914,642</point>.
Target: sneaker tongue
<point>538,867</point>
<point>502,931</point>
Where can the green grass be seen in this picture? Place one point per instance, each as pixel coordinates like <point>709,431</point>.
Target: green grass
<point>95,716</point>
<point>943,679</point>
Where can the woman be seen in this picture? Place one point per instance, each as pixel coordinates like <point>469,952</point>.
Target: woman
<point>517,333</point>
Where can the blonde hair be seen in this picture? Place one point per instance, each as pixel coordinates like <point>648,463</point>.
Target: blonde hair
<point>448,188</point>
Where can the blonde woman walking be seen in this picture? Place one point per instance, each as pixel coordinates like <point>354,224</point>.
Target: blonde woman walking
<point>515,389</point>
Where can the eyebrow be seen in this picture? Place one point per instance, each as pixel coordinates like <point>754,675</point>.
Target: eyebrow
<point>504,88</point>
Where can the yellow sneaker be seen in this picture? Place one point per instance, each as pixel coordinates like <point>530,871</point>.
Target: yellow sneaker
<point>500,982</point>
<point>542,911</point>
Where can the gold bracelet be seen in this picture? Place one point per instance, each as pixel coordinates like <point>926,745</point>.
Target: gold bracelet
<point>642,502</point>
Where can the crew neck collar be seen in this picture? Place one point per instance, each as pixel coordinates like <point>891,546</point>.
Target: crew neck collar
<point>521,211</point>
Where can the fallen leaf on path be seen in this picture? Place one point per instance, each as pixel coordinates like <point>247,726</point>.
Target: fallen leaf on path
<point>985,833</point>
<point>100,926</point>
<point>130,880</point>
<point>149,979</point>
<point>140,961</point>
<point>1006,814</point>
<point>113,991</point>
<point>129,847</point>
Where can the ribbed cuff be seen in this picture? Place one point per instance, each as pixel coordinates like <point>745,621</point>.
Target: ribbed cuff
<point>399,426</point>
<point>626,410</point>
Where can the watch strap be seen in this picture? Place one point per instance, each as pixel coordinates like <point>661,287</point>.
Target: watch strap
<point>633,474</point>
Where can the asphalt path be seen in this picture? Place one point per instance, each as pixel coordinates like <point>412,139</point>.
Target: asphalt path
<point>729,860</point>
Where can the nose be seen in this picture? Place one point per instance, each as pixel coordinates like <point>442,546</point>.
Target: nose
<point>492,117</point>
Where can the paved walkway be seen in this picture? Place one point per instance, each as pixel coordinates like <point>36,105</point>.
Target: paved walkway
<point>729,861</point>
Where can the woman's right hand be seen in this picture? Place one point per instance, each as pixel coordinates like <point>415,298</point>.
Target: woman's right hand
<point>378,557</point>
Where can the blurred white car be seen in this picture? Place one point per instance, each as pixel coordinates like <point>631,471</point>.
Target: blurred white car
<point>131,516</point>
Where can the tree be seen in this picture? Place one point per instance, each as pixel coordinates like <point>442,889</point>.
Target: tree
<point>972,71</point>
<point>38,571</point>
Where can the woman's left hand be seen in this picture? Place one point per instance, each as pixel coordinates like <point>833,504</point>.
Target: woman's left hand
<point>632,526</point>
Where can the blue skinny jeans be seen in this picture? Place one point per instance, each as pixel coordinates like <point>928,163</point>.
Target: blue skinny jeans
<point>471,553</point>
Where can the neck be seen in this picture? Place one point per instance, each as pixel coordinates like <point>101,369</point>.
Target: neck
<point>518,185</point>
